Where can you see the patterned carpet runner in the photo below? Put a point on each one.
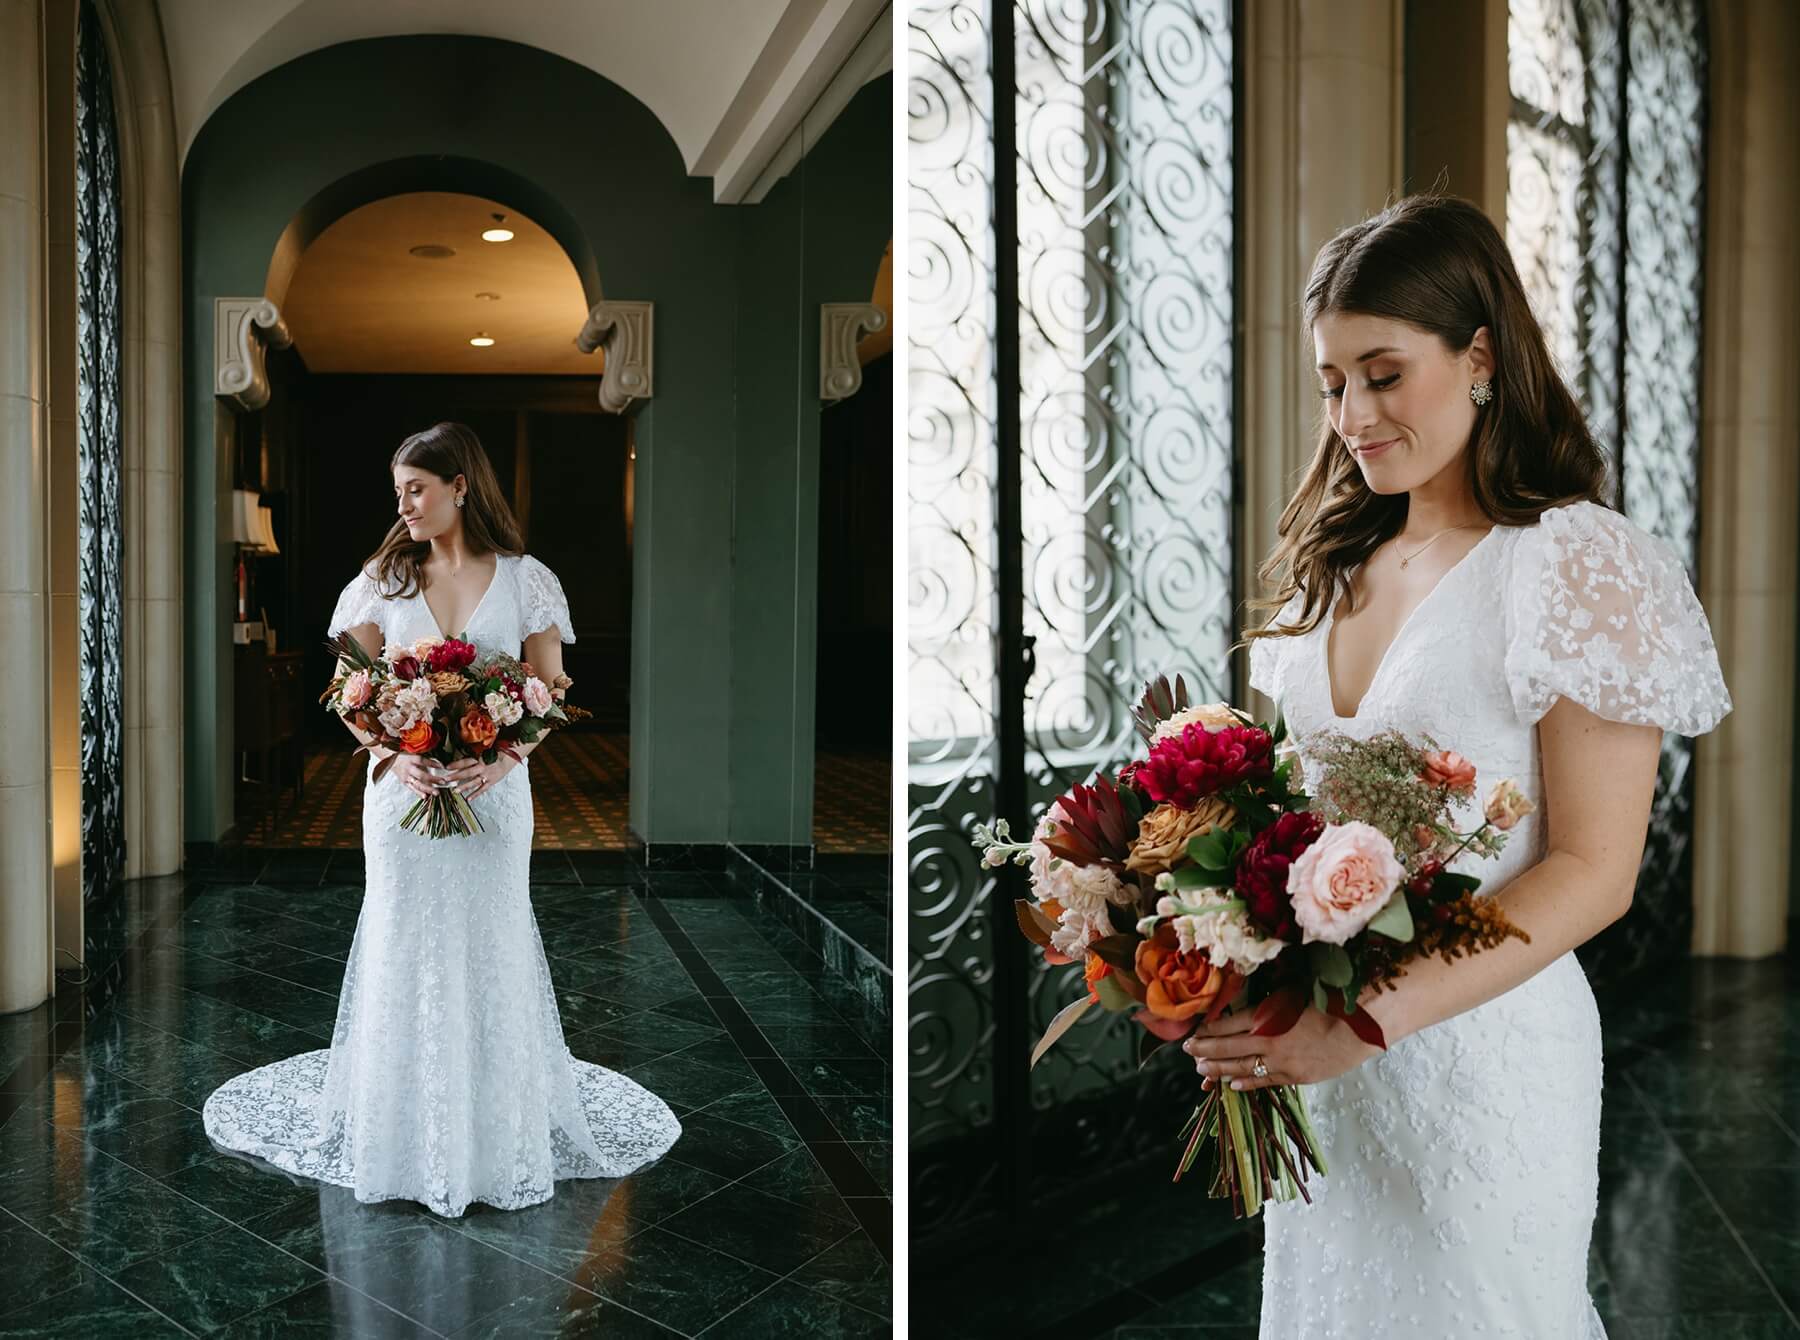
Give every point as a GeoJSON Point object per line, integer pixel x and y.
{"type": "Point", "coordinates": [579, 786]}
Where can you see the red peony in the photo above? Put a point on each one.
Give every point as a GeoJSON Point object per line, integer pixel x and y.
{"type": "Point", "coordinates": [1262, 871]}
{"type": "Point", "coordinates": [1128, 777]}
{"type": "Point", "coordinates": [1199, 762]}
{"type": "Point", "coordinates": [450, 655]}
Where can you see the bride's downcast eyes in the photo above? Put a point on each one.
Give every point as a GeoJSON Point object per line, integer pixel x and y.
{"type": "Point", "coordinates": [1337, 392]}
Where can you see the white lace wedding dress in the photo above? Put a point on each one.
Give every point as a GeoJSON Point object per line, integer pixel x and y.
{"type": "Point", "coordinates": [447, 1080]}
{"type": "Point", "coordinates": [1462, 1163]}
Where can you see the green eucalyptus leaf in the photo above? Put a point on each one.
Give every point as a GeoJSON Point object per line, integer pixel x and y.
{"type": "Point", "coordinates": [1329, 963]}
{"type": "Point", "coordinates": [1113, 996]}
{"type": "Point", "coordinates": [1208, 851]}
{"type": "Point", "coordinates": [1395, 920]}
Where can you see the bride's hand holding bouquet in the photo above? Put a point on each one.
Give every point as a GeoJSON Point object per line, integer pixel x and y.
{"type": "Point", "coordinates": [454, 720]}
{"type": "Point", "coordinates": [1210, 898]}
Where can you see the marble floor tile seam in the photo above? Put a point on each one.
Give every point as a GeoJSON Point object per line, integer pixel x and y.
{"type": "Point", "coordinates": [855, 945]}
{"type": "Point", "coordinates": [124, 1009]}
{"type": "Point", "coordinates": [274, 977]}
{"type": "Point", "coordinates": [1776, 1297]}
{"type": "Point", "coordinates": [801, 1112]}
{"type": "Point", "coordinates": [850, 1229]}
{"type": "Point", "coordinates": [718, 1328]}
{"type": "Point", "coordinates": [660, 1225]}
{"type": "Point", "coordinates": [1780, 1119]}
{"type": "Point", "coordinates": [66, 1007]}
{"type": "Point", "coordinates": [76, 1284]}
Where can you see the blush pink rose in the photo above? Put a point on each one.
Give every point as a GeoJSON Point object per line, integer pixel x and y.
{"type": "Point", "coordinates": [1342, 880]}
{"type": "Point", "coordinates": [356, 689]}
{"type": "Point", "coordinates": [537, 696]}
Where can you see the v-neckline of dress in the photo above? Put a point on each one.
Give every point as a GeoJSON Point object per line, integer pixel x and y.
{"type": "Point", "coordinates": [429, 614]}
{"type": "Point", "coordinates": [1330, 622]}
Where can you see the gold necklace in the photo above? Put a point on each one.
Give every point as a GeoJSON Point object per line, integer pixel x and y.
{"type": "Point", "coordinates": [1407, 558]}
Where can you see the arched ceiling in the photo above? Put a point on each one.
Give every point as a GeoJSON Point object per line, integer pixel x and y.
{"type": "Point", "coordinates": [360, 301]}
{"type": "Point", "coordinates": [729, 79]}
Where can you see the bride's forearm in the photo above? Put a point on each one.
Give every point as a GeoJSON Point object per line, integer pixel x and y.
{"type": "Point", "coordinates": [1559, 902]}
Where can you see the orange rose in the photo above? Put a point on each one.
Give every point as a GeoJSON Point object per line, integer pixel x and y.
{"type": "Point", "coordinates": [1093, 970]}
{"type": "Point", "coordinates": [419, 738]}
{"type": "Point", "coordinates": [477, 728]}
{"type": "Point", "coordinates": [1445, 767]}
{"type": "Point", "coordinates": [1177, 985]}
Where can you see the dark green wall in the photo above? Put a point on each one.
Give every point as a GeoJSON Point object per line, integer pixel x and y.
{"type": "Point", "coordinates": [817, 237]}
{"type": "Point", "coordinates": [553, 140]}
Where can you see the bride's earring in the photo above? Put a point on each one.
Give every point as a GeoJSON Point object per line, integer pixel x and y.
{"type": "Point", "coordinates": [1481, 392]}
{"type": "Point", "coordinates": [459, 500]}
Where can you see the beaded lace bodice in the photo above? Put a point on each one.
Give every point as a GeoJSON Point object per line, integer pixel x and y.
{"type": "Point", "coordinates": [1463, 1161]}
{"type": "Point", "coordinates": [448, 1079]}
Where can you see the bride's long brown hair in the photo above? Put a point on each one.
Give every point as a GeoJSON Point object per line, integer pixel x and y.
{"type": "Point", "coordinates": [1435, 262]}
{"type": "Point", "coordinates": [447, 450]}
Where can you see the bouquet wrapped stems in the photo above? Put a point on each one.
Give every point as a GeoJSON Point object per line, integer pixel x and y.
{"type": "Point", "coordinates": [1264, 1146]}
{"type": "Point", "coordinates": [446, 814]}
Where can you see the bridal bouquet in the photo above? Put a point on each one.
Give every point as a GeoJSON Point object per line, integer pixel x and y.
{"type": "Point", "coordinates": [1201, 879]}
{"type": "Point", "coordinates": [439, 697]}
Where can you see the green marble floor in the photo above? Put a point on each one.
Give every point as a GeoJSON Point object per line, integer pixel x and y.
{"type": "Point", "coordinates": [1697, 1235]}
{"type": "Point", "coordinates": [118, 1217]}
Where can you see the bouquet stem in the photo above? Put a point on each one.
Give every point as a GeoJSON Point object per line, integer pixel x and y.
{"type": "Point", "coordinates": [1265, 1146]}
{"type": "Point", "coordinates": [446, 814]}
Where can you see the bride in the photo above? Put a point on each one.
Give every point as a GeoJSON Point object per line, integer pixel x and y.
{"type": "Point", "coordinates": [1448, 566]}
{"type": "Point", "coordinates": [447, 1080]}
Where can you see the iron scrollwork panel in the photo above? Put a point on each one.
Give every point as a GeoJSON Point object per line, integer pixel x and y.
{"type": "Point", "coordinates": [1605, 213]}
{"type": "Point", "coordinates": [1121, 160]}
{"type": "Point", "coordinates": [1125, 253]}
{"type": "Point", "coordinates": [952, 615]}
{"type": "Point", "coordinates": [100, 519]}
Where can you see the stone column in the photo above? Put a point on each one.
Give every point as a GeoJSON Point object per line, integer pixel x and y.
{"type": "Point", "coordinates": [26, 976]}
{"type": "Point", "coordinates": [1323, 136]}
{"type": "Point", "coordinates": [1749, 478]}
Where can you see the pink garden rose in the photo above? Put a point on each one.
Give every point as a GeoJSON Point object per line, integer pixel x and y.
{"type": "Point", "coordinates": [356, 689]}
{"type": "Point", "coordinates": [1342, 880]}
{"type": "Point", "coordinates": [537, 696]}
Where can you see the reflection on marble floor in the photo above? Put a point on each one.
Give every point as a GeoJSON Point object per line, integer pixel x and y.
{"type": "Point", "coordinates": [1697, 1235]}
{"type": "Point", "coordinates": [119, 1217]}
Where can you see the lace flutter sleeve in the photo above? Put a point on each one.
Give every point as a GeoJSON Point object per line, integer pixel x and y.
{"type": "Point", "coordinates": [359, 603]}
{"type": "Point", "coordinates": [1269, 655]}
{"type": "Point", "coordinates": [1601, 611]}
{"type": "Point", "coordinates": [541, 601]}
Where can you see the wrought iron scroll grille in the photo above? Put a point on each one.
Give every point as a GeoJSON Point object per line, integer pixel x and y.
{"type": "Point", "coordinates": [1606, 155]}
{"type": "Point", "coordinates": [1071, 185]}
{"type": "Point", "coordinates": [100, 526]}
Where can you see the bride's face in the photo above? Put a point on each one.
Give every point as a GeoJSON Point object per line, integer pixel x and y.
{"type": "Point", "coordinates": [424, 502]}
{"type": "Point", "coordinates": [1397, 390]}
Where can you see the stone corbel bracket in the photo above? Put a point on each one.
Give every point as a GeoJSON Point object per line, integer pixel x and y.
{"type": "Point", "coordinates": [243, 331]}
{"type": "Point", "coordinates": [841, 325]}
{"type": "Point", "coordinates": [624, 330]}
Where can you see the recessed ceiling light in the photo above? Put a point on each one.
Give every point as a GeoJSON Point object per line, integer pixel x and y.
{"type": "Point", "coordinates": [488, 297]}
{"type": "Point", "coordinates": [497, 233]}
{"type": "Point", "coordinates": [431, 252]}
{"type": "Point", "coordinates": [481, 339]}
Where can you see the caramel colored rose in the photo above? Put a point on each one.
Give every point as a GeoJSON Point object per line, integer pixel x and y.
{"type": "Point", "coordinates": [477, 729]}
{"type": "Point", "coordinates": [1163, 835]}
{"type": "Point", "coordinates": [1507, 805]}
{"type": "Point", "coordinates": [444, 683]}
{"type": "Point", "coordinates": [1177, 985]}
